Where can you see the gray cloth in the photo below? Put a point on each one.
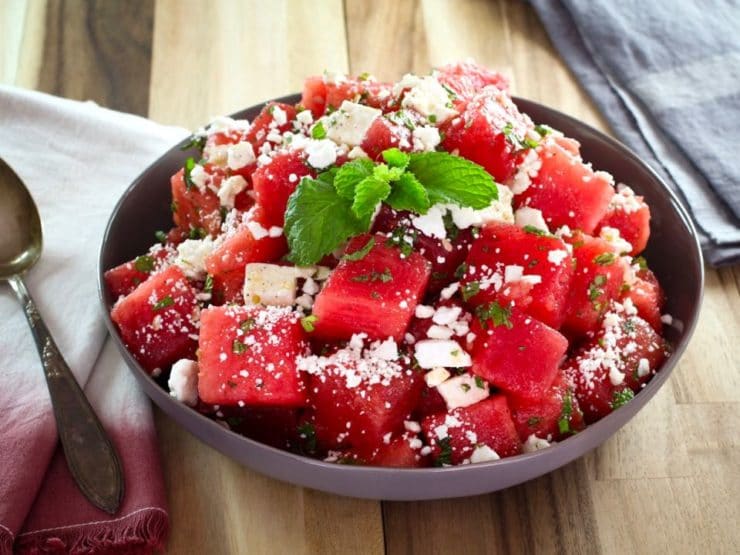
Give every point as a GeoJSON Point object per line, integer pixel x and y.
{"type": "Point", "coordinates": [666, 75]}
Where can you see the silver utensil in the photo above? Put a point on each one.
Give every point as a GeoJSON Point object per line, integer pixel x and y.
{"type": "Point", "coordinates": [91, 457]}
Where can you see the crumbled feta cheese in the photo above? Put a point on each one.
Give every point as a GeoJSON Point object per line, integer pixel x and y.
{"type": "Point", "coordinates": [528, 216]}
{"type": "Point", "coordinates": [183, 381]}
{"type": "Point", "coordinates": [278, 115]}
{"type": "Point", "coordinates": [199, 177]}
{"type": "Point", "coordinates": [432, 223]}
{"type": "Point", "coordinates": [667, 319]}
{"type": "Point", "coordinates": [612, 236]}
{"type": "Point", "coordinates": [431, 353]}
{"type": "Point", "coordinates": [426, 138]}
{"type": "Point", "coordinates": [436, 376]}
{"type": "Point", "coordinates": [427, 96]}
{"type": "Point", "coordinates": [229, 189]}
{"type": "Point", "coordinates": [513, 273]}
{"type": "Point", "coordinates": [305, 117]}
{"type": "Point", "coordinates": [270, 284]}
{"type": "Point", "coordinates": [643, 368]}
{"type": "Point", "coordinates": [439, 332]}
{"type": "Point", "coordinates": [386, 350]}
{"type": "Point", "coordinates": [534, 443]}
{"type": "Point", "coordinates": [483, 453]}
{"type": "Point", "coordinates": [275, 231]}
{"type": "Point", "coordinates": [256, 229]}
{"type": "Point", "coordinates": [463, 391]}
{"type": "Point", "coordinates": [528, 169]}
{"type": "Point", "coordinates": [321, 153]}
{"type": "Point", "coordinates": [423, 311]}
{"type": "Point", "coordinates": [192, 254]}
{"type": "Point", "coordinates": [557, 256]}
{"type": "Point", "coordinates": [449, 291]}
{"type": "Point", "coordinates": [350, 123]}
{"type": "Point", "coordinates": [411, 426]}
{"type": "Point", "coordinates": [356, 153]}
{"type": "Point", "coordinates": [499, 211]}
{"type": "Point", "coordinates": [239, 155]}
{"type": "Point", "coordinates": [445, 315]}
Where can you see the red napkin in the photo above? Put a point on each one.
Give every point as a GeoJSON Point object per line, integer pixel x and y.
{"type": "Point", "coordinates": [77, 159]}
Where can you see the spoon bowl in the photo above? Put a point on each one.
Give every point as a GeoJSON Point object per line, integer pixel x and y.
{"type": "Point", "coordinates": [20, 226]}
{"type": "Point", "coordinates": [92, 460]}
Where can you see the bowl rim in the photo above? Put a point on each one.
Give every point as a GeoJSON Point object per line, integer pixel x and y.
{"type": "Point", "coordinates": [562, 451]}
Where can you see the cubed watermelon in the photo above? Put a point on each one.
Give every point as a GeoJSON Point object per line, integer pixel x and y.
{"type": "Point", "coordinates": [248, 355]}
{"type": "Point", "coordinates": [629, 214]}
{"type": "Point", "coordinates": [444, 256]}
{"type": "Point", "coordinates": [158, 321]}
{"type": "Point", "coordinates": [515, 352]}
{"type": "Point", "coordinates": [489, 132]}
{"type": "Point", "coordinates": [123, 279]}
{"type": "Point", "coordinates": [526, 266]}
{"type": "Point", "coordinates": [567, 191]}
{"type": "Point", "coordinates": [322, 92]}
{"type": "Point", "coordinates": [609, 369]}
{"type": "Point", "coordinates": [266, 122]}
{"type": "Point", "coordinates": [196, 211]}
{"type": "Point", "coordinates": [275, 182]}
{"type": "Point", "coordinates": [376, 294]}
{"type": "Point", "coordinates": [554, 416]}
{"type": "Point", "coordinates": [648, 297]}
{"type": "Point", "coordinates": [390, 131]}
{"type": "Point", "coordinates": [250, 242]}
{"type": "Point", "coordinates": [597, 280]}
{"type": "Point", "coordinates": [468, 78]}
{"type": "Point", "coordinates": [465, 433]}
{"type": "Point", "coordinates": [359, 399]}
{"type": "Point", "coordinates": [403, 451]}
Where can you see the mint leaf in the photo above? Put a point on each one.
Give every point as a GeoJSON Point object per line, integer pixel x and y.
{"type": "Point", "coordinates": [189, 166]}
{"type": "Point", "coordinates": [452, 179]}
{"type": "Point", "coordinates": [396, 159]}
{"type": "Point", "coordinates": [409, 194]}
{"type": "Point", "coordinates": [368, 193]}
{"type": "Point", "coordinates": [309, 322]}
{"type": "Point", "coordinates": [318, 131]}
{"type": "Point", "coordinates": [349, 175]}
{"type": "Point", "coordinates": [317, 221]}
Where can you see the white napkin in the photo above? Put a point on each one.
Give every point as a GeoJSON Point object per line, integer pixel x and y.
{"type": "Point", "coordinates": [77, 159]}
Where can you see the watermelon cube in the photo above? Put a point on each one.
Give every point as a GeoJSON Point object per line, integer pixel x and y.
{"type": "Point", "coordinates": [466, 79]}
{"type": "Point", "coordinates": [629, 214]}
{"type": "Point", "coordinates": [609, 369]}
{"type": "Point", "coordinates": [359, 399]}
{"type": "Point", "coordinates": [193, 210]}
{"type": "Point", "coordinates": [567, 191]}
{"type": "Point", "coordinates": [489, 132]}
{"type": "Point", "coordinates": [275, 116]}
{"type": "Point", "coordinates": [479, 432]}
{"type": "Point", "coordinates": [158, 321]}
{"type": "Point", "coordinates": [597, 280]}
{"type": "Point", "coordinates": [123, 279]}
{"type": "Point", "coordinates": [376, 294]}
{"type": "Point", "coordinates": [275, 182]}
{"type": "Point", "coordinates": [554, 416]}
{"type": "Point", "coordinates": [247, 355]}
{"type": "Point", "coordinates": [403, 451]}
{"type": "Point", "coordinates": [389, 132]}
{"type": "Point", "coordinates": [515, 352]}
{"type": "Point", "coordinates": [250, 242]}
{"type": "Point", "coordinates": [525, 266]}
{"type": "Point", "coordinates": [648, 297]}
{"type": "Point", "coordinates": [322, 92]}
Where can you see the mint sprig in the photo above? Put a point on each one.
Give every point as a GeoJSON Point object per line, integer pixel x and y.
{"type": "Point", "coordinates": [340, 203]}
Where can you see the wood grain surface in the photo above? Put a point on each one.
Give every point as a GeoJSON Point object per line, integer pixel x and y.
{"type": "Point", "coordinates": [668, 482]}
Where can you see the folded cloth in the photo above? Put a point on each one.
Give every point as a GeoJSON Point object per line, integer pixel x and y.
{"type": "Point", "coordinates": [76, 158]}
{"type": "Point", "coordinates": [666, 75]}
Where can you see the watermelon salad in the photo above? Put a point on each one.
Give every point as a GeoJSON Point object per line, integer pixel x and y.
{"type": "Point", "coordinates": [399, 274]}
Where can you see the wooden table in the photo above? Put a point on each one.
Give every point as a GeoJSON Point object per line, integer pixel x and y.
{"type": "Point", "coordinates": [670, 481]}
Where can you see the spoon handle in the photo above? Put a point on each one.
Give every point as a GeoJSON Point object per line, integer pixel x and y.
{"type": "Point", "coordinates": [91, 457]}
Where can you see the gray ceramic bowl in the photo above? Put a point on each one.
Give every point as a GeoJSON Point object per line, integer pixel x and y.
{"type": "Point", "coordinates": [673, 253]}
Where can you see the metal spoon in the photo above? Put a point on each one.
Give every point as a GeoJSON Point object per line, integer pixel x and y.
{"type": "Point", "coordinates": [91, 458]}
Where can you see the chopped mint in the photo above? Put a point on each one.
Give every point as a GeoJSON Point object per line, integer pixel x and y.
{"type": "Point", "coordinates": [495, 313]}
{"type": "Point", "coordinates": [360, 253]}
{"type": "Point", "coordinates": [318, 131]}
{"type": "Point", "coordinates": [621, 398]}
{"type": "Point", "coordinates": [308, 322]}
{"type": "Point", "coordinates": [144, 263]}
{"type": "Point", "coordinates": [164, 302]}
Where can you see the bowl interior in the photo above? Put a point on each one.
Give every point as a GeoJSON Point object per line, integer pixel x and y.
{"type": "Point", "coordinates": [673, 253]}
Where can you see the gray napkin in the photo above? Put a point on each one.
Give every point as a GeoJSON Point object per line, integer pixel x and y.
{"type": "Point", "coordinates": [666, 75]}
